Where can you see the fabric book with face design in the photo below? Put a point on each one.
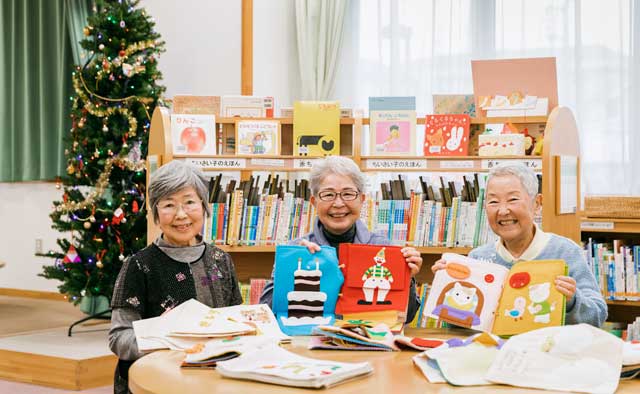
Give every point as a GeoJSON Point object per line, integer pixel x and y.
{"type": "Point", "coordinates": [489, 297]}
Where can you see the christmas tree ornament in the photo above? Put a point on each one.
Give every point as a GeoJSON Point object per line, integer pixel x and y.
{"type": "Point", "coordinates": [71, 169]}
{"type": "Point", "coordinates": [86, 225]}
{"type": "Point", "coordinates": [71, 256]}
{"type": "Point", "coordinates": [122, 24]}
{"type": "Point", "coordinates": [127, 69]}
{"type": "Point", "coordinates": [118, 215]}
{"type": "Point", "coordinates": [99, 264]}
{"type": "Point", "coordinates": [105, 128]}
{"type": "Point", "coordinates": [92, 219]}
{"type": "Point", "coordinates": [86, 31]}
{"type": "Point", "coordinates": [122, 53]}
{"type": "Point", "coordinates": [134, 207]}
{"type": "Point", "coordinates": [121, 257]}
{"type": "Point", "coordinates": [101, 47]}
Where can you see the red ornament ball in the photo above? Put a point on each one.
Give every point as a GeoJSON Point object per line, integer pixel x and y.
{"type": "Point", "coordinates": [194, 139]}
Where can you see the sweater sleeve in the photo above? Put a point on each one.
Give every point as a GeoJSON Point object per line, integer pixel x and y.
{"type": "Point", "coordinates": [122, 338]}
{"type": "Point", "coordinates": [587, 305]}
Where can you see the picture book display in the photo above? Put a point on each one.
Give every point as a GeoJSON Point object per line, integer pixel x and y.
{"type": "Point", "coordinates": [376, 278]}
{"type": "Point", "coordinates": [305, 287]}
{"type": "Point", "coordinates": [193, 134]}
{"type": "Point", "coordinates": [392, 126]}
{"type": "Point", "coordinates": [463, 104]}
{"type": "Point", "coordinates": [279, 366]}
{"type": "Point", "coordinates": [489, 297]}
{"type": "Point", "coordinates": [446, 135]}
{"type": "Point", "coordinates": [258, 137]}
{"type": "Point", "coordinates": [316, 128]}
{"type": "Point", "coordinates": [200, 105]}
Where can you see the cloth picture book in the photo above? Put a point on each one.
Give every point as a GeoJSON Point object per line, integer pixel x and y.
{"type": "Point", "coordinates": [376, 278]}
{"type": "Point", "coordinates": [207, 355]}
{"type": "Point", "coordinates": [193, 134]}
{"type": "Point", "coordinates": [392, 126]}
{"type": "Point", "coordinates": [489, 297]}
{"type": "Point", "coordinates": [446, 135]}
{"type": "Point", "coordinates": [305, 287]}
{"type": "Point", "coordinates": [278, 366]}
{"type": "Point", "coordinates": [454, 104]}
{"type": "Point", "coordinates": [316, 128]}
{"type": "Point", "coordinates": [578, 358]}
{"type": "Point", "coordinates": [258, 137]}
{"type": "Point", "coordinates": [353, 336]}
{"type": "Point", "coordinates": [192, 322]}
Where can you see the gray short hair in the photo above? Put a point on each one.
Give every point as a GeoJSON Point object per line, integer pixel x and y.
{"type": "Point", "coordinates": [527, 177]}
{"type": "Point", "coordinates": [173, 177]}
{"type": "Point", "coordinates": [335, 165]}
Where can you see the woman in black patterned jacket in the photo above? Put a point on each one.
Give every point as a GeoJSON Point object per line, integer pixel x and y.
{"type": "Point", "coordinates": [176, 267]}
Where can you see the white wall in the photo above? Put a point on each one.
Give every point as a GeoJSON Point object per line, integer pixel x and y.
{"type": "Point", "coordinates": [24, 209]}
{"type": "Point", "coordinates": [202, 57]}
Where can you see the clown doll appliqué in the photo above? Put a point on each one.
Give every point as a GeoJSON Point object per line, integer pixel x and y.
{"type": "Point", "coordinates": [376, 276]}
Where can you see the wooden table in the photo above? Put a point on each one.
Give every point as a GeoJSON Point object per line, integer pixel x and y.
{"type": "Point", "coordinates": [394, 372]}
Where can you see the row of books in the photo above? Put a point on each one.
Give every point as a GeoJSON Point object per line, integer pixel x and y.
{"type": "Point", "coordinates": [615, 267]}
{"type": "Point", "coordinates": [419, 222]}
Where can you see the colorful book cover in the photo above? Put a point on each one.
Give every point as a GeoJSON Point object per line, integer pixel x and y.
{"type": "Point", "coordinates": [392, 126]}
{"type": "Point", "coordinates": [446, 135]}
{"type": "Point", "coordinates": [196, 105]}
{"type": "Point", "coordinates": [305, 288]}
{"type": "Point", "coordinates": [316, 128]}
{"type": "Point", "coordinates": [193, 135]}
{"type": "Point", "coordinates": [258, 137]}
{"type": "Point", "coordinates": [489, 297]}
{"type": "Point", "coordinates": [247, 106]}
{"type": "Point", "coordinates": [462, 104]}
{"type": "Point", "coordinates": [376, 278]}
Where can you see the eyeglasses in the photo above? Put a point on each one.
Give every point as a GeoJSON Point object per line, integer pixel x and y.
{"type": "Point", "coordinates": [347, 195]}
{"type": "Point", "coordinates": [171, 208]}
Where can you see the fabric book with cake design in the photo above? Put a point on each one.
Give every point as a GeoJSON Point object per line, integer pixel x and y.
{"type": "Point", "coordinates": [489, 297]}
{"type": "Point", "coordinates": [305, 288]}
{"type": "Point", "coordinates": [376, 278]}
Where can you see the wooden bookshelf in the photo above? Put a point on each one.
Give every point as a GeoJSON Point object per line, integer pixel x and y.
{"type": "Point", "coordinates": [613, 225]}
{"type": "Point", "coordinates": [560, 138]}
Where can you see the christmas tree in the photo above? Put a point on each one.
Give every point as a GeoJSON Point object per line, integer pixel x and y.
{"type": "Point", "coordinates": [103, 203]}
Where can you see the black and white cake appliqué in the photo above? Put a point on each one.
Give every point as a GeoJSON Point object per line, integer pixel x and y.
{"type": "Point", "coordinates": [306, 301]}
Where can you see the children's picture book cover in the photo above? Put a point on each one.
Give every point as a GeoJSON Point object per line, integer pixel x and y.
{"type": "Point", "coordinates": [305, 288]}
{"type": "Point", "coordinates": [258, 137]}
{"type": "Point", "coordinates": [193, 134]}
{"type": "Point", "coordinates": [199, 105]}
{"type": "Point", "coordinates": [247, 106]}
{"type": "Point", "coordinates": [316, 128]}
{"type": "Point", "coordinates": [392, 126]}
{"type": "Point", "coordinates": [376, 278]}
{"type": "Point", "coordinates": [489, 297]}
{"type": "Point", "coordinates": [461, 104]}
{"type": "Point", "coordinates": [446, 135]}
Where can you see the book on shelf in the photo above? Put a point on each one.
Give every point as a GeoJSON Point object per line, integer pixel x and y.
{"type": "Point", "coordinates": [489, 297]}
{"type": "Point", "coordinates": [392, 126]}
{"type": "Point", "coordinates": [247, 106]}
{"type": "Point", "coordinates": [196, 105]}
{"type": "Point", "coordinates": [463, 104]}
{"type": "Point", "coordinates": [316, 128]}
{"type": "Point", "coordinates": [616, 268]}
{"type": "Point", "coordinates": [193, 135]}
{"type": "Point", "coordinates": [277, 366]}
{"type": "Point", "coordinates": [257, 137]}
{"type": "Point", "coordinates": [287, 112]}
{"type": "Point", "coordinates": [446, 135]}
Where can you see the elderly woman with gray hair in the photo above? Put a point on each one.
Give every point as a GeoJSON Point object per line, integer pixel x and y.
{"type": "Point", "coordinates": [511, 202]}
{"type": "Point", "coordinates": [337, 192]}
{"type": "Point", "coordinates": [176, 267]}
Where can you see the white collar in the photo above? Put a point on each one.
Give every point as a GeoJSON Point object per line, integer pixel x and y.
{"type": "Point", "coordinates": [539, 241]}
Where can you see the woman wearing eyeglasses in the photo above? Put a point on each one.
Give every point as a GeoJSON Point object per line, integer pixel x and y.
{"type": "Point", "coordinates": [337, 187]}
{"type": "Point", "coordinates": [176, 267]}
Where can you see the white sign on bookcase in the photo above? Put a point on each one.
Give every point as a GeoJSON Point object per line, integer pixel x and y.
{"type": "Point", "coordinates": [396, 164]}
{"type": "Point", "coordinates": [534, 164]}
{"type": "Point", "coordinates": [303, 163]}
{"type": "Point", "coordinates": [222, 163]}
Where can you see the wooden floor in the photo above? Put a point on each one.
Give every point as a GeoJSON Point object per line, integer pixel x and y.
{"type": "Point", "coordinates": [35, 350]}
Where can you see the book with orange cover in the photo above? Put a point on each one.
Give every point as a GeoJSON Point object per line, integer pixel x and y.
{"type": "Point", "coordinates": [376, 278]}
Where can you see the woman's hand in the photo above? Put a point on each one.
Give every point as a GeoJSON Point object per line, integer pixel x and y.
{"type": "Point", "coordinates": [312, 246]}
{"type": "Point", "coordinates": [566, 285]}
{"type": "Point", "coordinates": [438, 265]}
{"type": "Point", "coordinates": [413, 259]}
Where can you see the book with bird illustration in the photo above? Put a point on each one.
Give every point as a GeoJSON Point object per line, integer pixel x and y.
{"type": "Point", "coordinates": [489, 297]}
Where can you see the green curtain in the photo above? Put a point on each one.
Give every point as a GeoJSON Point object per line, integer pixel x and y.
{"type": "Point", "coordinates": [35, 86]}
{"type": "Point", "coordinates": [77, 13]}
